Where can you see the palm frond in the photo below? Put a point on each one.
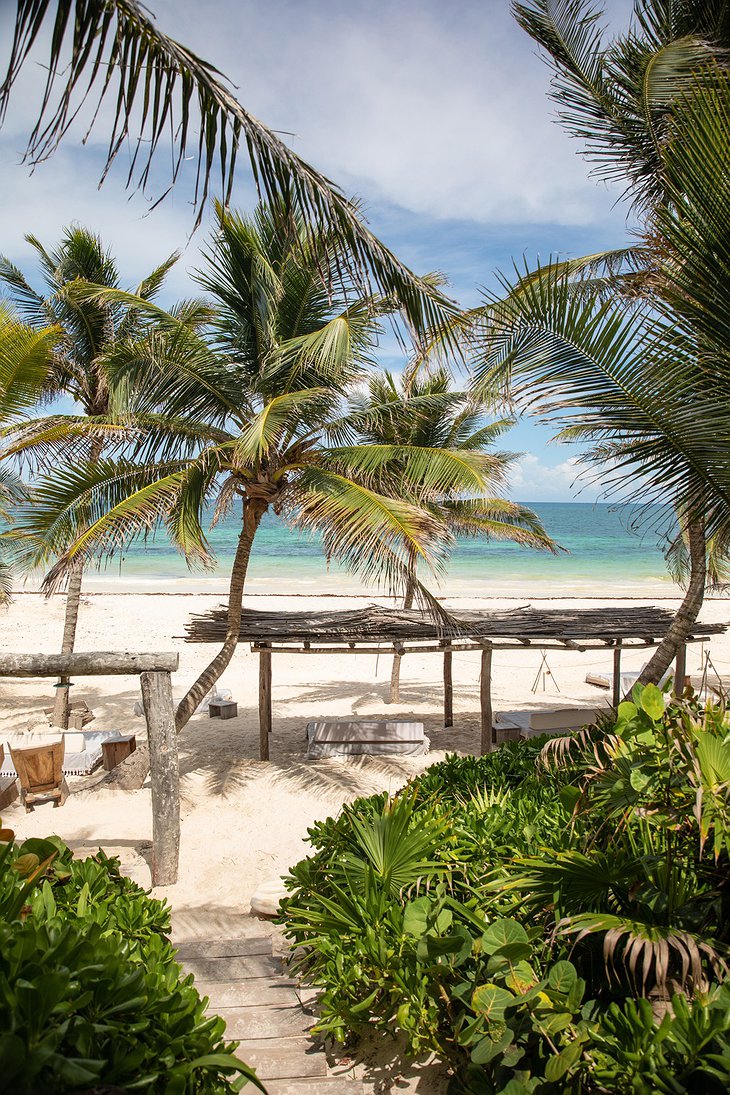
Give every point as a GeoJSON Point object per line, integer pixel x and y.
{"type": "Point", "coordinates": [371, 534]}
{"type": "Point", "coordinates": [90, 511]}
{"type": "Point", "coordinates": [26, 357]}
{"type": "Point", "coordinates": [162, 87]}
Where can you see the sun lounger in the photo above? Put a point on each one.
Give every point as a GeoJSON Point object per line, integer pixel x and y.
{"type": "Point", "coordinates": [531, 724]}
{"type": "Point", "coordinates": [383, 737]}
{"type": "Point", "coordinates": [82, 749]}
{"type": "Point", "coordinates": [628, 680]}
{"type": "Point", "coordinates": [8, 785]}
{"type": "Point", "coordinates": [40, 774]}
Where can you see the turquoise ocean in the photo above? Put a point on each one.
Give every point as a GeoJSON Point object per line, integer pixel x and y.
{"type": "Point", "coordinates": [603, 556]}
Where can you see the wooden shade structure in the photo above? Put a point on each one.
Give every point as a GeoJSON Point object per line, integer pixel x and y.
{"type": "Point", "coordinates": [376, 629]}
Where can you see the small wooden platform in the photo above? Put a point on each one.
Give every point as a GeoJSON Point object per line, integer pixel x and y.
{"type": "Point", "coordinates": [223, 709]}
{"type": "Point", "coordinates": [247, 985]}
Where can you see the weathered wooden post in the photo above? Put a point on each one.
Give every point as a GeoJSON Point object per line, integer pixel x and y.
{"type": "Point", "coordinates": [485, 697]}
{"type": "Point", "coordinates": [448, 691]}
{"type": "Point", "coordinates": [264, 701]}
{"type": "Point", "coordinates": [680, 671]}
{"type": "Point", "coordinates": [165, 776]}
{"type": "Point", "coordinates": [616, 696]}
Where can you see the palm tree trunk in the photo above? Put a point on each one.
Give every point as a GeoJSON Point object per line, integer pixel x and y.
{"type": "Point", "coordinates": [61, 704]}
{"type": "Point", "coordinates": [253, 511]}
{"type": "Point", "coordinates": [689, 610]}
{"type": "Point", "coordinates": [132, 772]}
{"type": "Point", "coordinates": [407, 603]}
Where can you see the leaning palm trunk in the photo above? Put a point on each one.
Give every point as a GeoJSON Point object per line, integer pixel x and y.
{"type": "Point", "coordinates": [253, 511]}
{"type": "Point", "coordinates": [397, 658]}
{"type": "Point", "coordinates": [688, 611]}
{"type": "Point", "coordinates": [131, 773]}
{"type": "Point", "coordinates": [61, 706]}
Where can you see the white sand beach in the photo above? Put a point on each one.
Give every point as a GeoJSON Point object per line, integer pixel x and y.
{"type": "Point", "coordinates": [245, 822]}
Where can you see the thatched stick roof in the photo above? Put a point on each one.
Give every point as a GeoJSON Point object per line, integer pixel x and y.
{"type": "Point", "coordinates": [376, 624]}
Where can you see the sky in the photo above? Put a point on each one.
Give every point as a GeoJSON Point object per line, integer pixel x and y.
{"type": "Point", "coordinates": [436, 116]}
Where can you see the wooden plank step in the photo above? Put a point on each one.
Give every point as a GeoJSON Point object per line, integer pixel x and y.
{"type": "Point", "coordinates": [331, 1086]}
{"type": "Point", "coordinates": [250, 1023]}
{"type": "Point", "coordinates": [223, 948]}
{"type": "Point", "coordinates": [259, 992]}
{"type": "Point", "coordinates": [272, 1062]}
{"type": "Point", "coordinates": [202, 923]}
{"type": "Point", "coordinates": [234, 968]}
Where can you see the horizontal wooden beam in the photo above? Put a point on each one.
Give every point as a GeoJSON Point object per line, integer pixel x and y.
{"type": "Point", "coordinates": [90, 663]}
{"type": "Point", "coordinates": [440, 647]}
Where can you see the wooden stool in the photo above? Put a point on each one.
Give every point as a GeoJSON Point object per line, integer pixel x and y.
{"type": "Point", "coordinates": [224, 709]}
{"type": "Point", "coordinates": [118, 749]}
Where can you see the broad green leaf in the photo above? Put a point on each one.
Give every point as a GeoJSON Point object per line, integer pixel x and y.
{"type": "Point", "coordinates": [558, 1065]}
{"type": "Point", "coordinates": [491, 1001]}
{"type": "Point", "coordinates": [507, 937]}
{"type": "Point", "coordinates": [562, 977]}
{"type": "Point", "coordinates": [639, 780]}
{"type": "Point", "coordinates": [652, 702]}
{"type": "Point", "coordinates": [415, 916]}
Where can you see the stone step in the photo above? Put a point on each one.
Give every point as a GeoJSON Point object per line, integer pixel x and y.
{"type": "Point", "coordinates": [249, 1023]}
{"type": "Point", "coordinates": [234, 968]}
{"type": "Point", "coordinates": [259, 992]}
{"type": "Point", "coordinates": [222, 948]}
{"type": "Point", "coordinates": [275, 1061]}
{"type": "Point", "coordinates": [331, 1086]}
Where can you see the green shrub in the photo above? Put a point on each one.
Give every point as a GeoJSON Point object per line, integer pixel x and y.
{"type": "Point", "coordinates": [529, 914]}
{"type": "Point", "coordinates": [90, 993]}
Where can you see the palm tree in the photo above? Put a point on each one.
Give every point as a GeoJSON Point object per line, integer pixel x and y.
{"type": "Point", "coordinates": [629, 349]}
{"type": "Point", "coordinates": [421, 409]}
{"type": "Point", "coordinates": [107, 51]}
{"type": "Point", "coordinates": [25, 360]}
{"type": "Point", "coordinates": [87, 331]}
{"type": "Point", "coordinates": [250, 416]}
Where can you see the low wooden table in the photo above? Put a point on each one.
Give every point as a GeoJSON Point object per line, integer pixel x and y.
{"type": "Point", "coordinates": [118, 749]}
{"type": "Point", "coordinates": [223, 709]}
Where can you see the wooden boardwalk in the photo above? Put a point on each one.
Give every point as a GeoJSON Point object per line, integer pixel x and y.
{"type": "Point", "coordinates": [233, 962]}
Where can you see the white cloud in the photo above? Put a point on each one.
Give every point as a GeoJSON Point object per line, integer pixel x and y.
{"type": "Point", "coordinates": [533, 479]}
{"type": "Point", "coordinates": [439, 109]}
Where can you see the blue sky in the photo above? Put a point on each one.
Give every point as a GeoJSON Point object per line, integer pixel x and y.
{"type": "Point", "coordinates": [435, 115]}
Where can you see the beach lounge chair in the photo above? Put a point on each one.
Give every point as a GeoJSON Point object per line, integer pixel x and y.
{"type": "Point", "coordinates": [8, 785]}
{"type": "Point", "coordinates": [40, 774]}
{"type": "Point", "coordinates": [531, 724]}
{"type": "Point", "coordinates": [389, 737]}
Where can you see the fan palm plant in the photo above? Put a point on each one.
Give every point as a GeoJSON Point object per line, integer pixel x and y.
{"type": "Point", "coordinates": [86, 333]}
{"type": "Point", "coordinates": [422, 409]}
{"type": "Point", "coordinates": [628, 350]}
{"type": "Point", "coordinates": [250, 415]}
{"type": "Point", "coordinates": [104, 51]}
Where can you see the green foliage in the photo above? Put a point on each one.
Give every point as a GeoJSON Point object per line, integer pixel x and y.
{"type": "Point", "coordinates": [552, 917]}
{"type": "Point", "coordinates": [90, 993]}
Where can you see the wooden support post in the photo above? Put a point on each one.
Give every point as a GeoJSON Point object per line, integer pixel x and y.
{"type": "Point", "coordinates": [489, 737]}
{"type": "Point", "coordinates": [616, 697]}
{"type": "Point", "coordinates": [448, 691]}
{"type": "Point", "coordinates": [165, 775]}
{"type": "Point", "coordinates": [680, 671]}
{"type": "Point", "coordinates": [264, 702]}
